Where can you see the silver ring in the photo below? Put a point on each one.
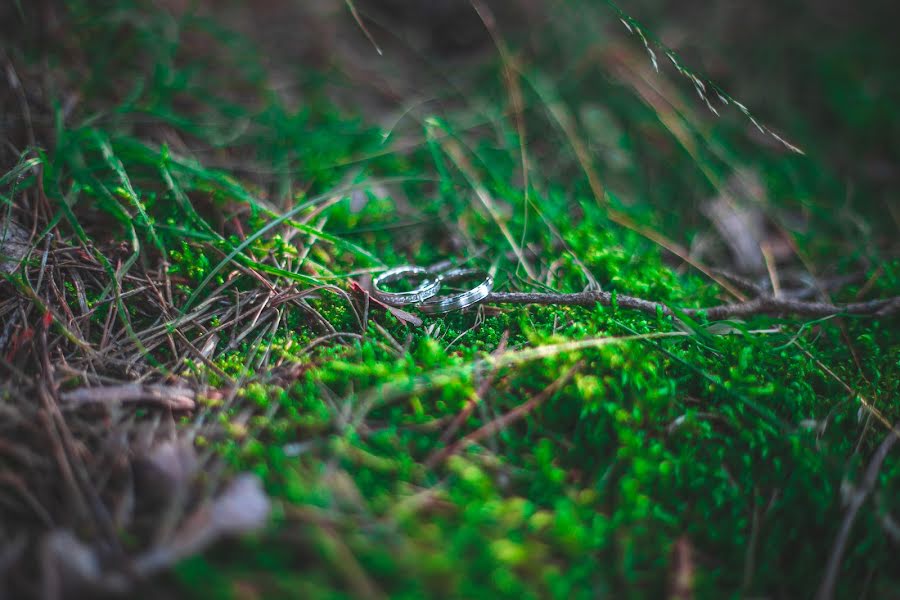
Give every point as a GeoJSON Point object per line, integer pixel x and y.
{"type": "Point", "coordinates": [428, 288]}
{"type": "Point", "coordinates": [461, 300]}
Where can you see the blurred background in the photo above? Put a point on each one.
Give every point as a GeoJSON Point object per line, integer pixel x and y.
{"type": "Point", "coordinates": [821, 70]}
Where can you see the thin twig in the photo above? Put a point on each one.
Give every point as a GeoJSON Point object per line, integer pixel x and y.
{"type": "Point", "coordinates": [764, 305]}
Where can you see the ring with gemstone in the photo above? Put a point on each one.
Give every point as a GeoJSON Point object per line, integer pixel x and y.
{"type": "Point", "coordinates": [458, 301]}
{"type": "Point", "coordinates": [425, 290]}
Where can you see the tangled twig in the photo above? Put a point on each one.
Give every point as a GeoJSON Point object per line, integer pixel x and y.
{"type": "Point", "coordinates": [763, 305]}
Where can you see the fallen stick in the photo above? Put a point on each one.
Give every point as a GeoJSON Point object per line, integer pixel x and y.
{"type": "Point", "coordinates": [763, 305]}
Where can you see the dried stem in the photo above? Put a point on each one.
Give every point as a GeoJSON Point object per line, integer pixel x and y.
{"type": "Point", "coordinates": [763, 305]}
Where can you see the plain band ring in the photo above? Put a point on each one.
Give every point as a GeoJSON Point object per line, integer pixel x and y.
{"type": "Point", "coordinates": [428, 288]}
{"type": "Point", "coordinates": [442, 304]}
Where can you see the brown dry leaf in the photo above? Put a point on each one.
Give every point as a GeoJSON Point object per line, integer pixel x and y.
{"type": "Point", "coordinates": [13, 245]}
{"type": "Point", "coordinates": [71, 569]}
{"type": "Point", "coordinates": [241, 508]}
{"type": "Point", "coordinates": [176, 460]}
{"type": "Point", "coordinates": [737, 214]}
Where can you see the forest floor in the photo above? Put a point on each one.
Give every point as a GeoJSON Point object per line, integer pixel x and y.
{"type": "Point", "coordinates": [685, 383]}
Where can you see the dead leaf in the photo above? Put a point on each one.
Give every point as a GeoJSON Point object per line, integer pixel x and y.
{"type": "Point", "coordinates": [71, 569]}
{"type": "Point", "coordinates": [241, 508]}
{"type": "Point", "coordinates": [737, 214]}
{"type": "Point", "coordinates": [176, 460]}
{"type": "Point", "coordinates": [14, 245]}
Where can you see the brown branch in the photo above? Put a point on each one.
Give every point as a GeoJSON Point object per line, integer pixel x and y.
{"type": "Point", "coordinates": [764, 305]}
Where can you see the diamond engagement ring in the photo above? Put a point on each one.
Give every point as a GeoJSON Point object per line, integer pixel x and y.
{"type": "Point", "coordinates": [428, 288]}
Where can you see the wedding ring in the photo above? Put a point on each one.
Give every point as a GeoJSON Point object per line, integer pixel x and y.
{"type": "Point", "coordinates": [446, 303]}
{"type": "Point", "coordinates": [428, 288]}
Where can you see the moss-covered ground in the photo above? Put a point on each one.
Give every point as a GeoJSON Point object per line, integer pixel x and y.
{"type": "Point", "coordinates": [207, 227]}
